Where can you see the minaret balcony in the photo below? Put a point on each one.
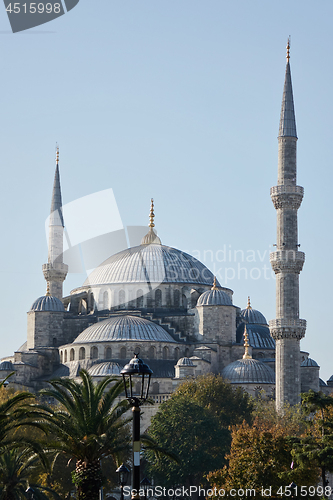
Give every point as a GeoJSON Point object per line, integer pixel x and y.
{"type": "Point", "coordinates": [285, 196]}
{"type": "Point", "coordinates": [288, 261]}
{"type": "Point", "coordinates": [287, 328]}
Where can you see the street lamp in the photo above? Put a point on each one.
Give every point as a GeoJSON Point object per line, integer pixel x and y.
{"type": "Point", "coordinates": [136, 370]}
{"type": "Point", "coordinates": [123, 475]}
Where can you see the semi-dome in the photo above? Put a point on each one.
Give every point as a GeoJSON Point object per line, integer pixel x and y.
{"type": "Point", "coordinates": [185, 362]}
{"type": "Point", "coordinates": [214, 297]}
{"type": "Point", "coordinates": [310, 362]}
{"type": "Point", "coordinates": [6, 365]}
{"type": "Point", "coordinates": [249, 371]}
{"type": "Point", "coordinates": [127, 328]}
{"type": "Point", "coordinates": [150, 264]}
{"type": "Point", "coordinates": [104, 369]}
{"type": "Point", "coordinates": [259, 336]}
{"type": "Point", "coordinates": [250, 315]}
{"type": "Point", "coordinates": [47, 303]}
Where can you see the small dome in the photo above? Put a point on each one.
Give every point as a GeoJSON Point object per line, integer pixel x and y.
{"type": "Point", "coordinates": [185, 362]}
{"type": "Point", "coordinates": [104, 369]}
{"type": "Point", "coordinates": [127, 328]}
{"type": "Point", "coordinates": [6, 365]}
{"type": "Point", "coordinates": [214, 298]}
{"type": "Point", "coordinates": [322, 383]}
{"type": "Point", "coordinates": [250, 315]}
{"type": "Point", "coordinates": [259, 336]}
{"type": "Point", "coordinates": [48, 303]}
{"type": "Point", "coordinates": [310, 362]}
{"type": "Point", "coordinates": [249, 371]}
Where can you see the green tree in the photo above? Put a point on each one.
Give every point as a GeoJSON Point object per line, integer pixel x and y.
{"type": "Point", "coordinates": [87, 426]}
{"type": "Point", "coordinates": [191, 432]}
{"type": "Point", "coordinates": [261, 457]}
{"type": "Point", "coordinates": [316, 447]}
{"type": "Point", "coordinates": [17, 466]}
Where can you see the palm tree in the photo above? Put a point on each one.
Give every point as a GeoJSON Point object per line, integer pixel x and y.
{"type": "Point", "coordinates": [88, 426]}
{"type": "Point", "coordinates": [16, 467]}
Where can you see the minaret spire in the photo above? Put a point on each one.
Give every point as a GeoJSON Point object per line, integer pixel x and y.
{"type": "Point", "coordinates": [55, 270]}
{"type": "Point", "coordinates": [151, 237]}
{"type": "Point", "coordinates": [287, 262]}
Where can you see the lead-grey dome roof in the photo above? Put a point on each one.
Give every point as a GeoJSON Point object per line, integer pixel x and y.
{"type": "Point", "coordinates": [6, 365]}
{"type": "Point", "coordinates": [249, 371]}
{"type": "Point", "coordinates": [259, 336]}
{"type": "Point", "coordinates": [214, 298]}
{"type": "Point", "coordinates": [253, 316]}
{"type": "Point", "coordinates": [47, 303]}
{"type": "Point", "coordinates": [150, 263]}
{"type": "Point", "coordinates": [104, 369]}
{"type": "Point", "coordinates": [185, 362]}
{"type": "Point", "coordinates": [127, 328]}
{"type": "Point", "coordinates": [310, 362]}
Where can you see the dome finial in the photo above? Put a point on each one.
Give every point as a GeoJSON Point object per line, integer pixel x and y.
{"type": "Point", "coordinates": [214, 287]}
{"type": "Point", "coordinates": [151, 214]}
{"type": "Point", "coordinates": [247, 355]}
{"type": "Point", "coordinates": [48, 294]}
{"type": "Point", "coordinates": [288, 49]}
{"type": "Point", "coordinates": [248, 303]}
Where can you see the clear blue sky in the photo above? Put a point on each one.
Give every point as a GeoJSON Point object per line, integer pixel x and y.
{"type": "Point", "coordinates": [179, 100]}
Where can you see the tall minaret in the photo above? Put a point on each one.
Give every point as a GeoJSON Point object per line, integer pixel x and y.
{"type": "Point", "coordinates": [55, 270]}
{"type": "Point", "coordinates": [287, 262]}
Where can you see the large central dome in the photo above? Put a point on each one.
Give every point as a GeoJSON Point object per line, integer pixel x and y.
{"type": "Point", "coordinates": [150, 264]}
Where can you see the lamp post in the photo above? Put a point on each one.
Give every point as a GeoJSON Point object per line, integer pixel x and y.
{"type": "Point", "coordinates": [136, 370]}
{"type": "Point", "coordinates": [123, 475]}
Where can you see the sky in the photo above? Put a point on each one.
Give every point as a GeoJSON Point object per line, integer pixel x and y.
{"type": "Point", "coordinates": [178, 100]}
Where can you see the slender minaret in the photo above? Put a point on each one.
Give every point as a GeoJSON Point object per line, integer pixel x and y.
{"type": "Point", "coordinates": [287, 262]}
{"type": "Point", "coordinates": [55, 270]}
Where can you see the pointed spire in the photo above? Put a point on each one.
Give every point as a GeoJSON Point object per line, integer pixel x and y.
{"type": "Point", "coordinates": [246, 355]}
{"type": "Point", "coordinates": [287, 117]}
{"type": "Point", "coordinates": [48, 294]}
{"type": "Point", "coordinates": [248, 303]}
{"type": "Point", "coordinates": [56, 218]}
{"type": "Point", "coordinates": [214, 287]}
{"type": "Point", "coordinates": [151, 237]}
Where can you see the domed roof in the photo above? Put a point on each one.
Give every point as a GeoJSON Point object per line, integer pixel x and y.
{"type": "Point", "coordinates": [185, 362]}
{"type": "Point", "coordinates": [150, 263]}
{"type": "Point", "coordinates": [104, 369]}
{"type": "Point", "coordinates": [6, 365]}
{"type": "Point", "coordinates": [252, 315]}
{"type": "Point", "coordinates": [249, 371]}
{"type": "Point", "coordinates": [214, 297]}
{"type": "Point", "coordinates": [322, 383]}
{"type": "Point", "coordinates": [259, 336]}
{"type": "Point", "coordinates": [47, 303]}
{"type": "Point", "coordinates": [127, 328]}
{"type": "Point", "coordinates": [310, 362]}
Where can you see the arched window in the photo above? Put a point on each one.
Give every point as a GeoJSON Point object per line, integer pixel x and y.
{"type": "Point", "coordinates": [176, 298]}
{"type": "Point", "coordinates": [151, 352]}
{"type": "Point", "coordinates": [94, 353]}
{"type": "Point", "coordinates": [123, 353]}
{"type": "Point", "coordinates": [121, 299]}
{"type": "Point", "coordinates": [82, 353]}
{"type": "Point", "coordinates": [155, 389]}
{"type": "Point", "coordinates": [105, 300]}
{"type": "Point", "coordinates": [108, 353]}
{"type": "Point", "coordinates": [139, 298]}
{"type": "Point", "coordinates": [158, 298]}
{"type": "Point", "coordinates": [184, 301]}
{"type": "Point", "coordinates": [66, 356]}
{"type": "Point", "coordinates": [72, 355]}
{"type": "Point", "coordinates": [92, 301]}
{"type": "Point", "coordinates": [165, 352]}
{"type": "Point", "coordinates": [187, 352]}
{"type": "Point", "coordinates": [61, 356]}
{"type": "Point", "coordinates": [176, 353]}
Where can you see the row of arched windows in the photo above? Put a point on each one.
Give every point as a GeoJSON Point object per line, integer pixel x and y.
{"type": "Point", "coordinates": [121, 301]}
{"type": "Point", "coordinates": [69, 355]}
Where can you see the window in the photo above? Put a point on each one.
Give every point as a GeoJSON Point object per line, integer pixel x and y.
{"type": "Point", "coordinates": [151, 352]}
{"type": "Point", "coordinates": [123, 353]}
{"type": "Point", "coordinates": [165, 352]}
{"type": "Point", "coordinates": [105, 300]}
{"type": "Point", "coordinates": [176, 298]}
{"type": "Point", "coordinates": [139, 299]}
{"type": "Point", "coordinates": [72, 355]}
{"type": "Point", "coordinates": [158, 298]}
{"type": "Point", "coordinates": [121, 299]}
{"type": "Point", "coordinates": [82, 353]}
{"type": "Point", "coordinates": [155, 388]}
{"type": "Point", "coordinates": [94, 353]}
{"type": "Point", "coordinates": [65, 356]}
{"type": "Point", "coordinates": [108, 353]}
{"type": "Point", "coordinates": [61, 357]}
{"type": "Point", "coordinates": [176, 353]}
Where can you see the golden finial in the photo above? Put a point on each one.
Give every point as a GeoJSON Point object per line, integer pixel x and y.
{"type": "Point", "coordinates": [57, 155]}
{"type": "Point", "coordinates": [247, 355]}
{"type": "Point", "coordinates": [151, 214]}
{"type": "Point", "coordinates": [214, 287]}
{"type": "Point", "coordinates": [288, 49]}
{"type": "Point", "coordinates": [248, 303]}
{"type": "Point", "coordinates": [48, 290]}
